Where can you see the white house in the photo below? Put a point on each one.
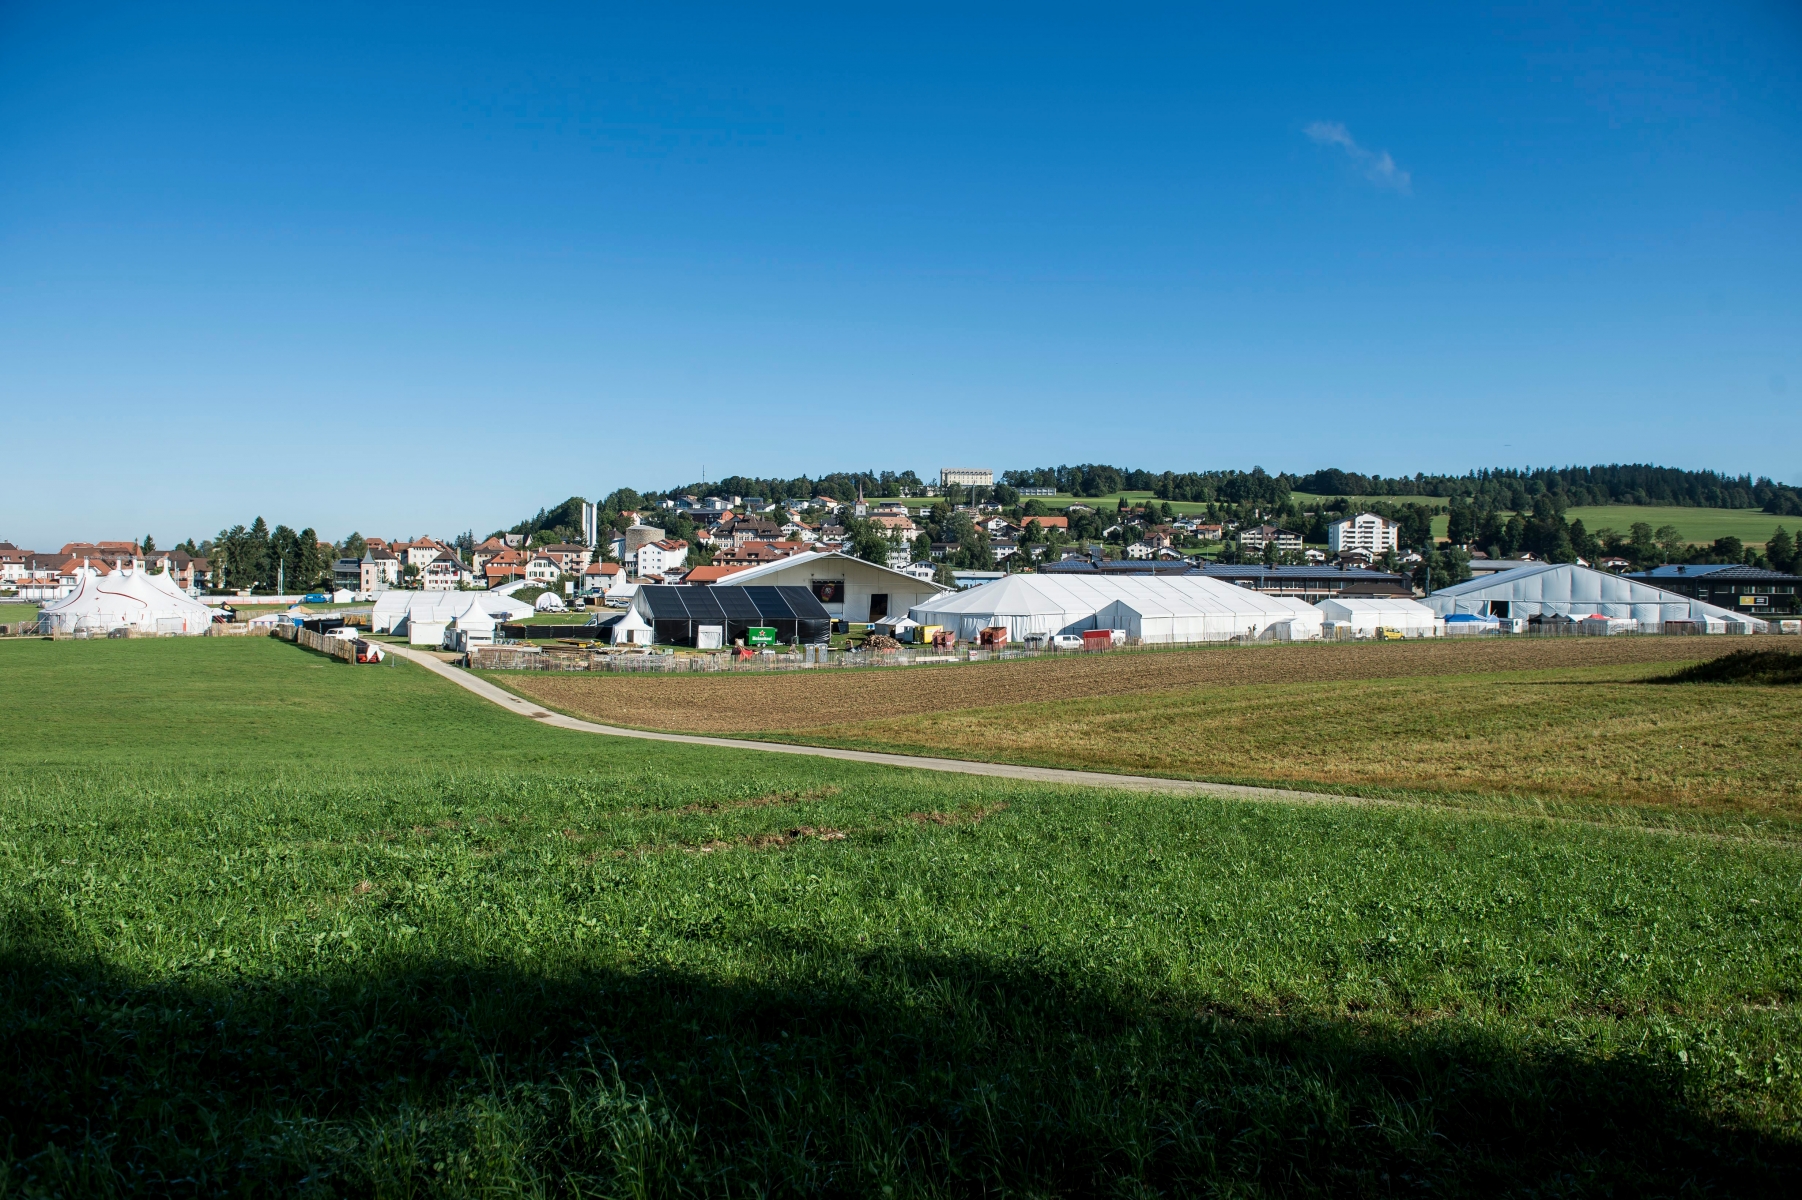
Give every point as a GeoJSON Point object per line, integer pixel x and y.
{"type": "Point", "coordinates": [444, 574]}
{"type": "Point", "coordinates": [655, 558]}
{"type": "Point", "coordinates": [543, 570]}
{"type": "Point", "coordinates": [1264, 535]}
{"type": "Point", "coordinates": [850, 589]}
{"type": "Point", "coordinates": [1366, 531]}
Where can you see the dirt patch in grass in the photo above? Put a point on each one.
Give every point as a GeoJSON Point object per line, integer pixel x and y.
{"type": "Point", "coordinates": [751, 703]}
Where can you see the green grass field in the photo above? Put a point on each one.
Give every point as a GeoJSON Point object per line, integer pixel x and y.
{"type": "Point", "coordinates": [273, 923]}
{"type": "Point", "coordinates": [1592, 741]}
{"type": "Point", "coordinates": [11, 614]}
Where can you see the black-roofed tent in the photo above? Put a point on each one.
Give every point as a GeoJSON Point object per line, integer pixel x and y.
{"type": "Point", "coordinates": [679, 614]}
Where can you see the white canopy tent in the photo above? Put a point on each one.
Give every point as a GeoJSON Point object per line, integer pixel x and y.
{"type": "Point", "coordinates": [137, 600]}
{"type": "Point", "coordinates": [1365, 615]}
{"type": "Point", "coordinates": [550, 602]}
{"type": "Point", "coordinates": [631, 629]}
{"type": "Point", "coordinates": [1163, 608]}
{"type": "Point", "coordinates": [1567, 590]}
{"type": "Point", "coordinates": [396, 610]}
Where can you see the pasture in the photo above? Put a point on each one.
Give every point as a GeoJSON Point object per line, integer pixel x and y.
{"type": "Point", "coordinates": [273, 923]}
{"type": "Point", "coordinates": [1565, 721]}
{"type": "Point", "coordinates": [14, 613]}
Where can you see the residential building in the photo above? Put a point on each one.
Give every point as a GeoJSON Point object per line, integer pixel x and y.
{"type": "Point", "coordinates": [419, 552]}
{"type": "Point", "coordinates": [760, 552]}
{"type": "Point", "coordinates": [486, 553]}
{"type": "Point", "coordinates": [659, 557]}
{"type": "Point", "coordinates": [1046, 522]}
{"type": "Point", "coordinates": [1268, 535]}
{"type": "Point", "coordinates": [445, 573]}
{"type": "Point", "coordinates": [543, 569]}
{"type": "Point", "coordinates": [12, 562]}
{"type": "Point", "coordinates": [965, 477]}
{"type": "Point", "coordinates": [1366, 531]}
{"type": "Point", "coordinates": [895, 523]}
{"type": "Point", "coordinates": [573, 559]}
{"type": "Point", "coordinates": [1751, 590]}
{"type": "Point", "coordinates": [598, 577]}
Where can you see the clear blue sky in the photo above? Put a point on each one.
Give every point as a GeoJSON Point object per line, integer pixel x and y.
{"type": "Point", "coordinates": [425, 270]}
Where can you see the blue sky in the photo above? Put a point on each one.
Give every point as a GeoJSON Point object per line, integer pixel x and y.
{"type": "Point", "coordinates": [427, 269]}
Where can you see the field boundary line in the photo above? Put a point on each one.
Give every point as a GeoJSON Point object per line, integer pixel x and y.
{"type": "Point", "coordinates": [520, 706]}
{"type": "Point", "coordinates": [1065, 776]}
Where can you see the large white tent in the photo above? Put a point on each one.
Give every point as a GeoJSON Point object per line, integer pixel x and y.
{"type": "Point", "coordinates": [1567, 590]}
{"type": "Point", "coordinates": [1162, 608]}
{"type": "Point", "coordinates": [396, 610]}
{"type": "Point", "coordinates": [137, 600]}
{"type": "Point", "coordinates": [1363, 616]}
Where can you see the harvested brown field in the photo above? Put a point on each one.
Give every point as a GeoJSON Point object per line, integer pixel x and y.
{"type": "Point", "coordinates": [1592, 734]}
{"type": "Point", "coordinates": [757, 702]}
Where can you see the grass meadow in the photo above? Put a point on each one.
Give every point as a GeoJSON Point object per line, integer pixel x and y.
{"type": "Point", "coordinates": [273, 923]}
{"type": "Point", "coordinates": [13, 613]}
{"type": "Point", "coordinates": [1606, 737]}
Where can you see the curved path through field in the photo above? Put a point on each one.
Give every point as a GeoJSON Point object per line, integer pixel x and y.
{"type": "Point", "coordinates": [1142, 783]}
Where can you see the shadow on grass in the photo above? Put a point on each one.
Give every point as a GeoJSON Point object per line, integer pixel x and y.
{"type": "Point", "coordinates": [1766, 667]}
{"type": "Point", "coordinates": [937, 1075]}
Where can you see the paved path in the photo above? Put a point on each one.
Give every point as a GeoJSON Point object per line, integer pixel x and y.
{"type": "Point", "coordinates": [1142, 783]}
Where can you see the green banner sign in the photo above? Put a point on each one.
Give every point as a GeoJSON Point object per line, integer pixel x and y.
{"type": "Point", "coordinates": [759, 635]}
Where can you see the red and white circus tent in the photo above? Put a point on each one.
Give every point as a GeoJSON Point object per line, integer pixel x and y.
{"type": "Point", "coordinates": [133, 599]}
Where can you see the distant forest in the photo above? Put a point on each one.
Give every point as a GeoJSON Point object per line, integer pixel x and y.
{"type": "Point", "coordinates": [1505, 489]}
{"type": "Point", "coordinates": [1512, 489]}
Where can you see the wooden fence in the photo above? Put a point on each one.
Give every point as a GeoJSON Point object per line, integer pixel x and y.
{"type": "Point", "coordinates": [344, 648]}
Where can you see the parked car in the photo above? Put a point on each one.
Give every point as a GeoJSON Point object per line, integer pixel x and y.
{"type": "Point", "coordinates": [1066, 641]}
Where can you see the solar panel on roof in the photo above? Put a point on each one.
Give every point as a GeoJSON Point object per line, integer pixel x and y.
{"type": "Point", "coordinates": [701, 604]}
{"type": "Point", "coordinates": [735, 604]}
{"type": "Point", "coordinates": [803, 603]}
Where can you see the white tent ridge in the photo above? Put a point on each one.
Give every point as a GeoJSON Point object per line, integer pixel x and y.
{"type": "Point", "coordinates": [137, 600]}
{"type": "Point", "coordinates": [396, 610]}
{"type": "Point", "coordinates": [1364, 615]}
{"type": "Point", "coordinates": [1153, 609]}
{"type": "Point", "coordinates": [1567, 590]}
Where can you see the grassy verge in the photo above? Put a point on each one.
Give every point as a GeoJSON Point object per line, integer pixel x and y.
{"type": "Point", "coordinates": [269, 922]}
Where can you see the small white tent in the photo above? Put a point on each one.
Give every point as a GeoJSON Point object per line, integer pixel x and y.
{"type": "Point", "coordinates": [631, 629]}
{"type": "Point", "coordinates": [130, 599]}
{"type": "Point", "coordinates": [550, 602]}
{"type": "Point", "coordinates": [1363, 616]}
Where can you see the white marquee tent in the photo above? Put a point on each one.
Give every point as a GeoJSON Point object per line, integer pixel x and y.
{"type": "Point", "coordinates": [395, 610]}
{"type": "Point", "coordinates": [143, 602]}
{"type": "Point", "coordinates": [1163, 608]}
{"type": "Point", "coordinates": [1567, 590]}
{"type": "Point", "coordinates": [1365, 615]}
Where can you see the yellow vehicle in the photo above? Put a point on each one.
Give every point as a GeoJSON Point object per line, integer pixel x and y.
{"type": "Point", "coordinates": [1388, 635]}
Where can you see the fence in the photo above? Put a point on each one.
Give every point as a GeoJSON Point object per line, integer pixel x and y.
{"type": "Point", "coordinates": [515, 657]}
{"type": "Point", "coordinates": [344, 648]}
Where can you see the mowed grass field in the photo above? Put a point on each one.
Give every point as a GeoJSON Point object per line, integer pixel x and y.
{"type": "Point", "coordinates": [11, 614]}
{"type": "Point", "coordinates": [1567, 720]}
{"type": "Point", "coordinates": [270, 923]}
{"type": "Point", "coordinates": [1696, 525]}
